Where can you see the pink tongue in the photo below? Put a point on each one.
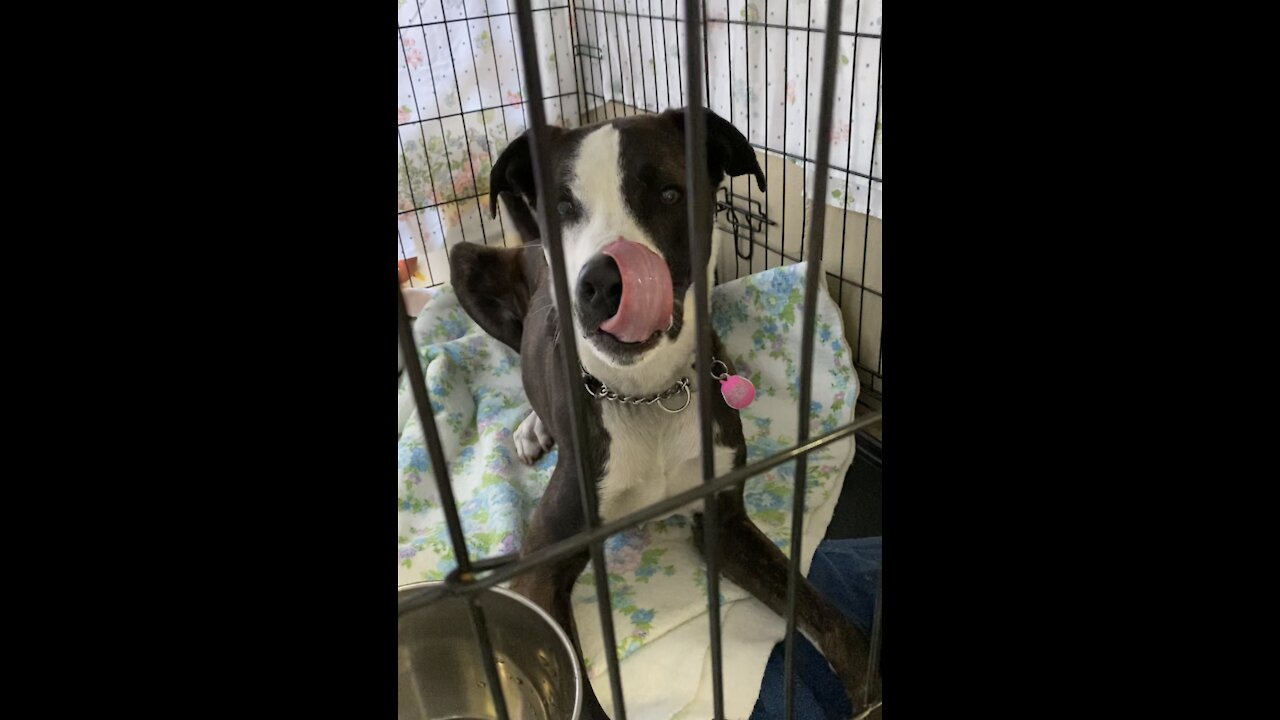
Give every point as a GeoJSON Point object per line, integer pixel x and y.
{"type": "Point", "coordinates": [646, 292]}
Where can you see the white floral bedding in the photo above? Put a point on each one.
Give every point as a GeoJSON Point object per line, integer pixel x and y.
{"type": "Point", "coordinates": [657, 579]}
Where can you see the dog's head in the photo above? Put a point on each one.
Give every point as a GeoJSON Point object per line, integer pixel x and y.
{"type": "Point", "coordinates": [619, 188]}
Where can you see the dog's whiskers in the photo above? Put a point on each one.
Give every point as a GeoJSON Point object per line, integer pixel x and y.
{"type": "Point", "coordinates": [548, 306]}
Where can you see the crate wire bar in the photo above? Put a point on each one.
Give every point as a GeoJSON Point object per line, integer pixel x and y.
{"type": "Point", "coordinates": [471, 578]}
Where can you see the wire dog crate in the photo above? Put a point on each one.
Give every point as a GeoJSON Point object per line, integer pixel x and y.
{"type": "Point", "coordinates": [606, 59]}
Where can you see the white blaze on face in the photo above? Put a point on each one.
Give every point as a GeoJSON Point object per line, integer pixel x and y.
{"type": "Point", "coordinates": [596, 184]}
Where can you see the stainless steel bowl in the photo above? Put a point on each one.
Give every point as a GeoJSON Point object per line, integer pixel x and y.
{"type": "Point", "coordinates": [441, 673]}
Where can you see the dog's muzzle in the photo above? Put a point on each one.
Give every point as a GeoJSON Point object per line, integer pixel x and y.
{"type": "Point", "coordinates": [626, 292]}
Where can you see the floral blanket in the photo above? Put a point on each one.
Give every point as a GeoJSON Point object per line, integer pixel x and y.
{"type": "Point", "coordinates": [657, 578]}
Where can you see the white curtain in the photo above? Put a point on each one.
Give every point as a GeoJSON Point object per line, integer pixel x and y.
{"type": "Point", "coordinates": [765, 80]}
{"type": "Point", "coordinates": [461, 100]}
{"type": "Point", "coordinates": [461, 95]}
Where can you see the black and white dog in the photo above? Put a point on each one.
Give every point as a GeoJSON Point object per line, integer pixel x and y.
{"type": "Point", "coordinates": [620, 193]}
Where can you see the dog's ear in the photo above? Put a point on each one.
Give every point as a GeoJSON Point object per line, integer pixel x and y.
{"type": "Point", "coordinates": [728, 151]}
{"type": "Point", "coordinates": [512, 174]}
{"type": "Point", "coordinates": [512, 179]}
{"type": "Point", "coordinates": [494, 285]}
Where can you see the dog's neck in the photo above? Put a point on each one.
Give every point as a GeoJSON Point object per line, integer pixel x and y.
{"type": "Point", "coordinates": [643, 381]}
{"type": "Point", "coordinates": [600, 391]}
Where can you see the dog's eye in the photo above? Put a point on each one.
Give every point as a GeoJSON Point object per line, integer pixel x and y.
{"type": "Point", "coordinates": [565, 207]}
{"type": "Point", "coordinates": [671, 195]}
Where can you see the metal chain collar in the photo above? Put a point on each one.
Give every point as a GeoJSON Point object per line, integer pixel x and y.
{"type": "Point", "coordinates": [682, 385]}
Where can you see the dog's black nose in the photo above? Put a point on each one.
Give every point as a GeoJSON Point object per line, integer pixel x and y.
{"type": "Point", "coordinates": [599, 291]}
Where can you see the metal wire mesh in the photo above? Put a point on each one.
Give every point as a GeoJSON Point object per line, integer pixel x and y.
{"type": "Point", "coordinates": [445, 148]}
{"type": "Point", "coordinates": [447, 141]}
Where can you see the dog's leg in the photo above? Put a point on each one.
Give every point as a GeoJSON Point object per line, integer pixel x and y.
{"type": "Point", "coordinates": [532, 439]}
{"type": "Point", "coordinates": [754, 563]}
{"type": "Point", "coordinates": [550, 587]}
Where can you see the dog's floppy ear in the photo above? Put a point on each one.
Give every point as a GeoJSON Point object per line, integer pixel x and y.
{"type": "Point", "coordinates": [512, 179]}
{"type": "Point", "coordinates": [728, 152]}
{"type": "Point", "coordinates": [494, 285]}
{"type": "Point", "coordinates": [512, 174]}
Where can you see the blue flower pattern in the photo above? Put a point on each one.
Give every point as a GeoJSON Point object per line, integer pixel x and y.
{"type": "Point", "coordinates": [656, 576]}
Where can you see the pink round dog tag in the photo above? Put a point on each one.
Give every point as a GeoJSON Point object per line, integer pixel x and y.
{"type": "Point", "coordinates": [738, 392]}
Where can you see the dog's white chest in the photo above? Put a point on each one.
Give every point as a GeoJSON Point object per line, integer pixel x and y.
{"type": "Point", "coordinates": [652, 455]}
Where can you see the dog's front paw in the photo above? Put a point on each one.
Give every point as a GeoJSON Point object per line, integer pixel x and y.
{"type": "Point", "coordinates": [532, 439]}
